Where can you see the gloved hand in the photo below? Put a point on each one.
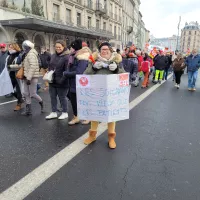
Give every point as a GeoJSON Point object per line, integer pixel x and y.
{"type": "Point", "coordinates": [113, 67]}
{"type": "Point", "coordinates": [98, 65]}
{"type": "Point", "coordinates": [28, 82]}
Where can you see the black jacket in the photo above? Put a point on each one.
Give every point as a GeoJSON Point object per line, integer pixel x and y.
{"type": "Point", "coordinates": [160, 62]}
{"type": "Point", "coordinates": [59, 63]}
{"type": "Point", "coordinates": [169, 61]}
{"type": "Point", "coordinates": [10, 61]}
{"type": "Point", "coordinates": [45, 59]}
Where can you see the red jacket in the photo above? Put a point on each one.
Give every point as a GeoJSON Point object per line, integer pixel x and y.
{"type": "Point", "coordinates": [140, 60]}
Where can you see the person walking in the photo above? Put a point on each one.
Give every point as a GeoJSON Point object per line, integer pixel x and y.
{"type": "Point", "coordinates": [168, 65]}
{"type": "Point", "coordinates": [160, 62]}
{"type": "Point", "coordinates": [106, 62]}
{"type": "Point", "coordinates": [59, 86]}
{"type": "Point", "coordinates": [145, 67]}
{"type": "Point", "coordinates": [193, 64]}
{"type": "Point", "coordinates": [45, 58]}
{"type": "Point", "coordinates": [178, 68]}
{"type": "Point", "coordinates": [31, 74]}
{"type": "Point", "coordinates": [78, 62]}
{"type": "Point", "coordinates": [13, 54]}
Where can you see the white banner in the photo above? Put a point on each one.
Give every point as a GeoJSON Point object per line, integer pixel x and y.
{"type": "Point", "coordinates": [5, 83]}
{"type": "Point", "coordinates": [103, 98]}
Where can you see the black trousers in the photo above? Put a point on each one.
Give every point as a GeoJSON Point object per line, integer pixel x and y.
{"type": "Point", "coordinates": [178, 75]}
{"type": "Point", "coordinates": [17, 94]}
{"type": "Point", "coordinates": [73, 99]}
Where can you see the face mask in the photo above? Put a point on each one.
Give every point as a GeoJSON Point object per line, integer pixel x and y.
{"type": "Point", "coordinates": [12, 51]}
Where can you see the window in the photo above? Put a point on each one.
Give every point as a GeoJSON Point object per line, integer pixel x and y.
{"type": "Point", "coordinates": [115, 31]}
{"type": "Point", "coordinates": [105, 4]}
{"type": "Point", "coordinates": [89, 22]}
{"type": "Point", "coordinates": [110, 27]}
{"type": "Point", "coordinates": [90, 4]}
{"type": "Point", "coordinates": [184, 33]}
{"type": "Point", "coordinates": [104, 26]}
{"type": "Point", "coordinates": [195, 32]}
{"type": "Point", "coordinates": [189, 32]}
{"type": "Point", "coordinates": [78, 19]}
{"type": "Point", "coordinates": [55, 12]}
{"type": "Point", "coordinates": [98, 24]}
{"type": "Point", "coordinates": [68, 15]}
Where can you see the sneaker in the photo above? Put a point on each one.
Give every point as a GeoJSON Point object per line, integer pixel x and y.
{"type": "Point", "coordinates": [63, 116]}
{"type": "Point", "coordinates": [159, 82]}
{"type": "Point", "coordinates": [53, 115]}
{"type": "Point", "coordinates": [193, 89]}
{"type": "Point", "coordinates": [85, 122]}
{"type": "Point", "coordinates": [178, 86]}
{"type": "Point", "coordinates": [189, 89]}
{"type": "Point", "coordinates": [74, 121]}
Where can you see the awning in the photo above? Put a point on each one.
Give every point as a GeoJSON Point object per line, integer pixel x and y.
{"type": "Point", "coordinates": [57, 28]}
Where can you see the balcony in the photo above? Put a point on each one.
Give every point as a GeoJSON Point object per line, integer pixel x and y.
{"type": "Point", "coordinates": [129, 29]}
{"type": "Point", "coordinates": [100, 9]}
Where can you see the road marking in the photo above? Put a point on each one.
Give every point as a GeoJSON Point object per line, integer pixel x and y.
{"type": "Point", "coordinates": [1, 104]}
{"type": "Point", "coordinates": [37, 177]}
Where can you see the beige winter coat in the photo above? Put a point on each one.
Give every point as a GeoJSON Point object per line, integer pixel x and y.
{"type": "Point", "coordinates": [31, 65]}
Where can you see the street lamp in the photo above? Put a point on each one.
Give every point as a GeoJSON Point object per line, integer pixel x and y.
{"type": "Point", "coordinates": [178, 32]}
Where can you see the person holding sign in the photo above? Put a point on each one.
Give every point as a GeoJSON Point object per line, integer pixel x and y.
{"type": "Point", "coordinates": [104, 63]}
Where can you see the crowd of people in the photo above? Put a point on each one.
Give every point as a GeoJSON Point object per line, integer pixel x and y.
{"type": "Point", "coordinates": [67, 62]}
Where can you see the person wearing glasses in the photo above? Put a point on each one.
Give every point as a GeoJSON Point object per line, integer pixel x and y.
{"type": "Point", "coordinates": [104, 63]}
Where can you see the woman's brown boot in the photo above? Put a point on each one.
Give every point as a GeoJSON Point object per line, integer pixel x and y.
{"type": "Point", "coordinates": [91, 138]}
{"type": "Point", "coordinates": [111, 140]}
{"type": "Point", "coordinates": [18, 107]}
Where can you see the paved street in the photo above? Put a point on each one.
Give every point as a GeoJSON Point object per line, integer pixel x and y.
{"type": "Point", "coordinates": [157, 155]}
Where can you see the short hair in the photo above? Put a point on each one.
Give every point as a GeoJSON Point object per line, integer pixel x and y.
{"type": "Point", "coordinates": [15, 46]}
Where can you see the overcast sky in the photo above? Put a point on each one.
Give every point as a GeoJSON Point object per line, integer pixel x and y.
{"type": "Point", "coordinates": [161, 16]}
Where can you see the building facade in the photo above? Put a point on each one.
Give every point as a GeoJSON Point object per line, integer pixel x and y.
{"type": "Point", "coordinates": [130, 21]}
{"type": "Point", "coordinates": [171, 42]}
{"type": "Point", "coordinates": [45, 21]}
{"type": "Point", "coordinates": [190, 37]}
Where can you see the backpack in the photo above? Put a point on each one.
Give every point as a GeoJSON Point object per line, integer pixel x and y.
{"type": "Point", "coordinates": [145, 66]}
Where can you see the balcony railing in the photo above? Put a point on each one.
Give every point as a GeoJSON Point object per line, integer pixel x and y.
{"type": "Point", "coordinates": [100, 9]}
{"type": "Point", "coordinates": [129, 29]}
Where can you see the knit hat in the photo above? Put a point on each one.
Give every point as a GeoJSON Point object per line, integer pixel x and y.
{"type": "Point", "coordinates": [27, 45]}
{"type": "Point", "coordinates": [77, 44]}
{"type": "Point", "coordinates": [2, 45]}
{"type": "Point", "coordinates": [105, 44]}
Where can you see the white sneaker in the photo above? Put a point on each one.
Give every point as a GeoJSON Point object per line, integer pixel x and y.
{"type": "Point", "coordinates": [53, 115]}
{"type": "Point", "coordinates": [178, 86]}
{"type": "Point", "coordinates": [63, 116]}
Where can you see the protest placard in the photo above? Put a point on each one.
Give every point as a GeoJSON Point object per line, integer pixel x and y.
{"type": "Point", "coordinates": [5, 83]}
{"type": "Point", "coordinates": [103, 98]}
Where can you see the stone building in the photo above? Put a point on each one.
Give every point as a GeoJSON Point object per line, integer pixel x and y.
{"type": "Point", "coordinates": [130, 21]}
{"type": "Point", "coordinates": [45, 21]}
{"type": "Point", "coordinates": [190, 37]}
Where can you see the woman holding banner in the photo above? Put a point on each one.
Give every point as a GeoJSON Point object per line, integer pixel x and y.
{"type": "Point", "coordinates": [106, 62]}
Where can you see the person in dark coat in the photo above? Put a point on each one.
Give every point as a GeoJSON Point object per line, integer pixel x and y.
{"type": "Point", "coordinates": [59, 86]}
{"type": "Point", "coordinates": [160, 62]}
{"type": "Point", "coordinates": [45, 58]}
{"type": "Point", "coordinates": [78, 62]}
{"type": "Point", "coordinates": [13, 54]}
{"type": "Point", "coordinates": [168, 65]}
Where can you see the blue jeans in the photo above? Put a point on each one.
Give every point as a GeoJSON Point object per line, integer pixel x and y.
{"type": "Point", "coordinates": [192, 77]}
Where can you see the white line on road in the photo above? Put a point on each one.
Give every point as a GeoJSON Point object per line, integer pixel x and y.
{"type": "Point", "coordinates": [1, 104]}
{"type": "Point", "coordinates": [34, 179]}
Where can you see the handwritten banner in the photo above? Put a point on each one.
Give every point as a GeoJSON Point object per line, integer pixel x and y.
{"type": "Point", "coordinates": [103, 98]}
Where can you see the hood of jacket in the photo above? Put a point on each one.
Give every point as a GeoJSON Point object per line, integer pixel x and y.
{"type": "Point", "coordinates": [83, 54]}
{"type": "Point", "coordinates": [115, 57]}
{"type": "Point", "coordinates": [65, 52]}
